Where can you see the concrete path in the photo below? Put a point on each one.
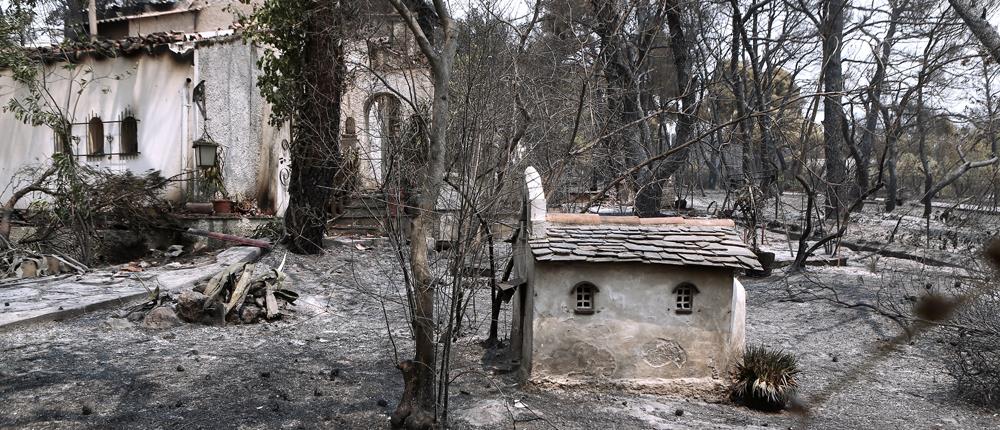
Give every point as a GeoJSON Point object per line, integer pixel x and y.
{"type": "Point", "coordinates": [59, 297]}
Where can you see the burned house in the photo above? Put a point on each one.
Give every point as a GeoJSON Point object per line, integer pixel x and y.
{"type": "Point", "coordinates": [624, 298]}
{"type": "Point", "coordinates": [162, 76]}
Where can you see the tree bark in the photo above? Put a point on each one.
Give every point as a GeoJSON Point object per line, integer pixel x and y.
{"type": "Point", "coordinates": [440, 53]}
{"type": "Point", "coordinates": [981, 28]}
{"type": "Point", "coordinates": [833, 110]}
{"type": "Point", "coordinates": [316, 156]}
{"type": "Point", "coordinates": [686, 88]}
{"type": "Point", "coordinates": [922, 152]}
{"type": "Point", "coordinates": [648, 204]}
{"type": "Point", "coordinates": [624, 57]}
{"type": "Point", "coordinates": [741, 133]}
{"type": "Point", "coordinates": [892, 184]}
{"type": "Point", "coordinates": [622, 98]}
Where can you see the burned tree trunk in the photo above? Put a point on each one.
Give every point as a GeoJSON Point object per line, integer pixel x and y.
{"type": "Point", "coordinates": [833, 110]}
{"type": "Point", "coordinates": [406, 402]}
{"type": "Point", "coordinates": [627, 33]}
{"type": "Point", "coordinates": [623, 101]}
{"type": "Point", "coordinates": [316, 155]}
{"type": "Point", "coordinates": [892, 185]}
{"type": "Point", "coordinates": [862, 153]}
{"type": "Point", "coordinates": [686, 88]}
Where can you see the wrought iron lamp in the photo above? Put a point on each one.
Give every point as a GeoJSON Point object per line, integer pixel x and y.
{"type": "Point", "coordinates": [206, 151]}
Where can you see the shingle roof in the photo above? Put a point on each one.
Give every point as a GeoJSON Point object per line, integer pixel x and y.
{"type": "Point", "coordinates": [149, 44]}
{"type": "Point", "coordinates": [671, 241]}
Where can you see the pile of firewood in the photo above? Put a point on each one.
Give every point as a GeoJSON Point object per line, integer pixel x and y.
{"type": "Point", "coordinates": [237, 295]}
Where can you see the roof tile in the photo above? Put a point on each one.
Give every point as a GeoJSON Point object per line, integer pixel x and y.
{"type": "Point", "coordinates": [713, 243]}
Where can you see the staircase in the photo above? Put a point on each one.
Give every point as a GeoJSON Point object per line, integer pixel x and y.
{"type": "Point", "coordinates": [364, 214]}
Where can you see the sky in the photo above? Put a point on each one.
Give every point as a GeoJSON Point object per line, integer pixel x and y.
{"type": "Point", "coordinates": [513, 8]}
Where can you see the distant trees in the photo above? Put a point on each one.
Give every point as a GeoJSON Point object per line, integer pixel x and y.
{"type": "Point", "coordinates": [645, 116]}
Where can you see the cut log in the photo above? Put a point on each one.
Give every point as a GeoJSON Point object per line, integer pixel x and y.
{"type": "Point", "coordinates": [219, 281]}
{"type": "Point", "coordinates": [229, 238]}
{"type": "Point", "coordinates": [271, 304]}
{"type": "Point", "coordinates": [191, 306]}
{"type": "Point", "coordinates": [69, 261]}
{"type": "Point", "coordinates": [241, 288]}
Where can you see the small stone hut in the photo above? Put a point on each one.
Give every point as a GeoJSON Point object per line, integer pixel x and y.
{"type": "Point", "coordinates": [625, 299]}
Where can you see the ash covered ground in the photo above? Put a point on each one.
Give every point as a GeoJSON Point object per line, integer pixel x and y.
{"type": "Point", "coordinates": [331, 363]}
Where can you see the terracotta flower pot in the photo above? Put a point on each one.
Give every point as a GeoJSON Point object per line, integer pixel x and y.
{"type": "Point", "coordinates": [199, 207]}
{"type": "Point", "coordinates": [222, 206]}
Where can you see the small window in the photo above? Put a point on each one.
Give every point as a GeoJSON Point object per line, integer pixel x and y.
{"type": "Point", "coordinates": [130, 135]}
{"type": "Point", "coordinates": [584, 295]}
{"type": "Point", "coordinates": [350, 126]}
{"type": "Point", "coordinates": [95, 136]}
{"type": "Point", "coordinates": [685, 297]}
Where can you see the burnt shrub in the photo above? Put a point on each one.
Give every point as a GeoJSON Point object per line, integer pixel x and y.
{"type": "Point", "coordinates": [765, 379]}
{"type": "Point", "coordinates": [973, 349]}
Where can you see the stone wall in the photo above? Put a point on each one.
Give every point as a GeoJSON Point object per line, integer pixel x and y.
{"type": "Point", "coordinates": [635, 332]}
{"type": "Point", "coordinates": [411, 87]}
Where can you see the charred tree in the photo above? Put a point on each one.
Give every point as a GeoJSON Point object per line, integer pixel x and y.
{"type": "Point", "coordinates": [627, 33]}
{"type": "Point", "coordinates": [316, 155]}
{"type": "Point", "coordinates": [862, 152]}
{"type": "Point", "coordinates": [834, 121]}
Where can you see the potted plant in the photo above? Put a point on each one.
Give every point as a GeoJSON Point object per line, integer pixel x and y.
{"type": "Point", "coordinates": [209, 161]}
{"type": "Point", "coordinates": [221, 203]}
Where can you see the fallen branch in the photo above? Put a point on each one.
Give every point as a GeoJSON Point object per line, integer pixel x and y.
{"type": "Point", "coordinates": [229, 238]}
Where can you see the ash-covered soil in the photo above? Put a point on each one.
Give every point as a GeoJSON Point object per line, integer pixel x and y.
{"type": "Point", "coordinates": [331, 365]}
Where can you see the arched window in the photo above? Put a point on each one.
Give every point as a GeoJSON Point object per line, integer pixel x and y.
{"type": "Point", "coordinates": [684, 294]}
{"type": "Point", "coordinates": [130, 135]}
{"type": "Point", "coordinates": [95, 136]}
{"type": "Point", "coordinates": [584, 295]}
{"type": "Point", "coordinates": [350, 126]}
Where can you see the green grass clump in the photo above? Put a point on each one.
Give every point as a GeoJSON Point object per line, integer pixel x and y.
{"type": "Point", "coordinates": [765, 379]}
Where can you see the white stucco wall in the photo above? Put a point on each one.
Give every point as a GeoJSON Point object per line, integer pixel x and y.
{"type": "Point", "coordinates": [157, 90]}
{"type": "Point", "coordinates": [410, 86]}
{"type": "Point", "coordinates": [238, 122]}
{"type": "Point", "coordinates": [738, 325]}
{"type": "Point", "coordinates": [635, 332]}
{"type": "Point", "coordinates": [152, 88]}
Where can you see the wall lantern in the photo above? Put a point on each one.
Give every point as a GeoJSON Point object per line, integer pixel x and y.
{"type": "Point", "coordinates": [206, 152]}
